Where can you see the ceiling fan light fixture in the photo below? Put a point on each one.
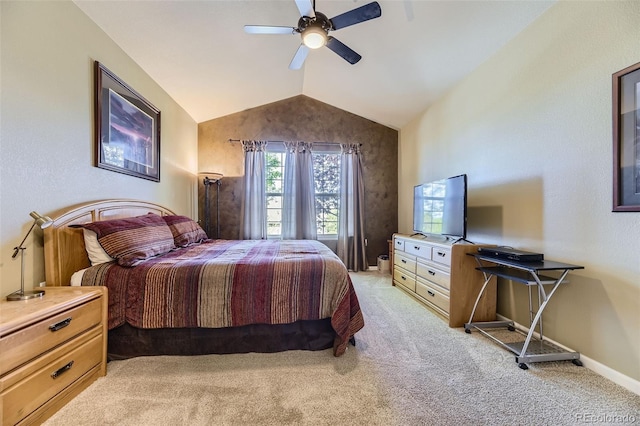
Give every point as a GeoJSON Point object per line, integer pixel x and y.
{"type": "Point", "coordinates": [314, 28]}
{"type": "Point", "coordinates": [314, 37]}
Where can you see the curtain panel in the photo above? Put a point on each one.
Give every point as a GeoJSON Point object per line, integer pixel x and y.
{"type": "Point", "coordinates": [253, 224]}
{"type": "Point", "coordinates": [298, 204]}
{"type": "Point", "coordinates": [351, 246]}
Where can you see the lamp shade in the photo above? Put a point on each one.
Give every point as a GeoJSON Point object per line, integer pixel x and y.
{"type": "Point", "coordinates": [314, 37]}
{"type": "Point", "coordinates": [210, 177]}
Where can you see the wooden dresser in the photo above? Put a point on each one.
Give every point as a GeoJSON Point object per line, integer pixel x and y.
{"type": "Point", "coordinates": [51, 348]}
{"type": "Point", "coordinates": [443, 277]}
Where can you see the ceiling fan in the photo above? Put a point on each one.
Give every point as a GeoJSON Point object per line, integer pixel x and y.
{"type": "Point", "coordinates": [314, 29]}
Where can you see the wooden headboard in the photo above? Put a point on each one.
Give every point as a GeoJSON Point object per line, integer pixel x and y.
{"type": "Point", "coordinates": [64, 251]}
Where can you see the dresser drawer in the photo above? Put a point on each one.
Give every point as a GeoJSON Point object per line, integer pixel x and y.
{"type": "Point", "coordinates": [19, 347]}
{"type": "Point", "coordinates": [398, 244]}
{"type": "Point", "coordinates": [431, 295]}
{"type": "Point", "coordinates": [441, 256]}
{"type": "Point", "coordinates": [418, 249]}
{"type": "Point", "coordinates": [433, 274]}
{"type": "Point", "coordinates": [49, 375]}
{"type": "Point", "coordinates": [405, 279]}
{"type": "Point", "coordinates": [406, 262]}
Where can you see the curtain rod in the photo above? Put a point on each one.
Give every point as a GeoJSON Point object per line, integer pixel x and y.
{"type": "Point", "coordinates": [327, 143]}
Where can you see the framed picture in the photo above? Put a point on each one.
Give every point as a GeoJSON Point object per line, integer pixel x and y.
{"type": "Point", "coordinates": [626, 139]}
{"type": "Point", "coordinates": [127, 128]}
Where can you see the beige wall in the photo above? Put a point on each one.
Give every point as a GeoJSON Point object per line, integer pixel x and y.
{"type": "Point", "coordinates": [532, 129]}
{"type": "Point", "coordinates": [46, 144]}
{"type": "Point", "coordinates": [306, 119]}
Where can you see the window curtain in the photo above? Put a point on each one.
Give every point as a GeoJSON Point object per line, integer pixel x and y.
{"type": "Point", "coordinates": [254, 221]}
{"type": "Point", "coordinates": [298, 204]}
{"type": "Point", "coordinates": [351, 247]}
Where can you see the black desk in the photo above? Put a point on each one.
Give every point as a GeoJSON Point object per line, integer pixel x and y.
{"type": "Point", "coordinates": [532, 349]}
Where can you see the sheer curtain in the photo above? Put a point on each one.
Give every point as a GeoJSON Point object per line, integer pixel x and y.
{"type": "Point", "coordinates": [351, 248]}
{"type": "Point", "coordinates": [254, 221]}
{"type": "Point", "coordinates": [298, 204]}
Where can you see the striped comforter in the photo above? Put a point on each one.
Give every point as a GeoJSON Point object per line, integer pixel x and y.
{"type": "Point", "coordinates": [223, 283]}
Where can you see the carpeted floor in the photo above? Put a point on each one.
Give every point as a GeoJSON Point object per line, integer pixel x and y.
{"type": "Point", "coordinates": [408, 368]}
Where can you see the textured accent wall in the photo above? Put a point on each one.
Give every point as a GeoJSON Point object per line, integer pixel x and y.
{"type": "Point", "coordinates": [302, 118]}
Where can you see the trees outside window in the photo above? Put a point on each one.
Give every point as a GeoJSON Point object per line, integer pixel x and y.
{"type": "Point", "coordinates": [275, 177]}
{"type": "Point", "coordinates": [326, 171]}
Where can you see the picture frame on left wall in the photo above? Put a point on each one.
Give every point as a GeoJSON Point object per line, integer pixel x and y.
{"type": "Point", "coordinates": [626, 139]}
{"type": "Point", "coordinates": [127, 128]}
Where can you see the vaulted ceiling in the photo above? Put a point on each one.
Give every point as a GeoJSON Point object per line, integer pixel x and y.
{"type": "Point", "coordinates": [198, 52]}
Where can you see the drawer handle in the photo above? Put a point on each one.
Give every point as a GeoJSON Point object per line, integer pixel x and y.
{"type": "Point", "coordinates": [403, 277]}
{"type": "Point", "coordinates": [62, 324]}
{"type": "Point", "coordinates": [403, 261]}
{"type": "Point", "coordinates": [442, 254]}
{"type": "Point", "coordinates": [416, 247]}
{"type": "Point", "coordinates": [432, 294]}
{"type": "Point", "coordinates": [431, 273]}
{"type": "Point", "coordinates": [61, 370]}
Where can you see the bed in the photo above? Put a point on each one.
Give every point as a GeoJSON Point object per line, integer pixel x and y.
{"type": "Point", "coordinates": [174, 292]}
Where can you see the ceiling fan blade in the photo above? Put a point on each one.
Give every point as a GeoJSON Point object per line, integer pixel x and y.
{"type": "Point", "coordinates": [306, 8]}
{"type": "Point", "coordinates": [355, 16]}
{"type": "Point", "coordinates": [266, 29]}
{"type": "Point", "coordinates": [299, 57]}
{"type": "Point", "coordinates": [342, 50]}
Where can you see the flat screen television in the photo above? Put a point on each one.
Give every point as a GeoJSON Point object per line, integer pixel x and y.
{"type": "Point", "coordinates": [440, 207]}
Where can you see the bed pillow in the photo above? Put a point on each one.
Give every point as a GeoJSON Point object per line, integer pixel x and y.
{"type": "Point", "coordinates": [185, 231]}
{"type": "Point", "coordinates": [134, 239]}
{"type": "Point", "coordinates": [96, 253]}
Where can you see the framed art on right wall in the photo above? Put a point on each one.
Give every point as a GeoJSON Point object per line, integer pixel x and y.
{"type": "Point", "coordinates": [626, 139]}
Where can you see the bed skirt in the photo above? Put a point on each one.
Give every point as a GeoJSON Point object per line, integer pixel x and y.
{"type": "Point", "coordinates": [127, 341]}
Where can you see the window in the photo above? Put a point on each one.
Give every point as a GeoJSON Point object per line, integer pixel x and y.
{"type": "Point", "coordinates": [326, 169]}
{"type": "Point", "coordinates": [275, 176]}
{"type": "Point", "coordinates": [326, 176]}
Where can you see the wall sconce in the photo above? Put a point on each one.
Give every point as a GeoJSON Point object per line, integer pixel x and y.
{"type": "Point", "coordinates": [42, 222]}
{"type": "Point", "coordinates": [208, 180]}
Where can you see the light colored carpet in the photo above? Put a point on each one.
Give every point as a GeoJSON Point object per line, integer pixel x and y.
{"type": "Point", "coordinates": [408, 368]}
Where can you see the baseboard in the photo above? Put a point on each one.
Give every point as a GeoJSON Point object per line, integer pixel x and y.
{"type": "Point", "coordinates": [593, 365]}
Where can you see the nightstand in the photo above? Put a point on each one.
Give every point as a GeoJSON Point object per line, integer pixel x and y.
{"type": "Point", "coordinates": [51, 348]}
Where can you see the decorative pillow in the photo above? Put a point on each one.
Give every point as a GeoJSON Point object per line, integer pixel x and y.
{"type": "Point", "coordinates": [185, 230]}
{"type": "Point", "coordinates": [134, 239]}
{"type": "Point", "coordinates": [96, 253]}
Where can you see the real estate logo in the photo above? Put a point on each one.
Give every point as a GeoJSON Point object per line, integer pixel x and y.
{"type": "Point", "coordinates": [605, 418]}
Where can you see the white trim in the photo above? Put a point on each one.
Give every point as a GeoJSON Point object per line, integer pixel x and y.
{"type": "Point", "coordinates": [626, 382]}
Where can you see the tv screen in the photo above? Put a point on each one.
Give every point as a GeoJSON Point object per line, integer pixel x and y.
{"type": "Point", "coordinates": [440, 207]}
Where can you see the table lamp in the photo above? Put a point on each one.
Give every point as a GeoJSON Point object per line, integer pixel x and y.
{"type": "Point", "coordinates": [42, 222]}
